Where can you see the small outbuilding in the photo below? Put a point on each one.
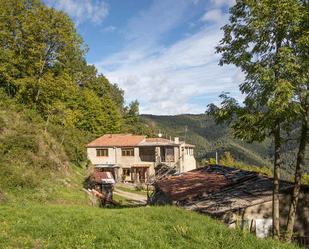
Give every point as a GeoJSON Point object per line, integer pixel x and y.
{"type": "Point", "coordinates": [238, 197]}
{"type": "Point", "coordinates": [102, 184]}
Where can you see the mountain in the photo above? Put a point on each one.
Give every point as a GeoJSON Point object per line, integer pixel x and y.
{"type": "Point", "coordinates": [208, 137]}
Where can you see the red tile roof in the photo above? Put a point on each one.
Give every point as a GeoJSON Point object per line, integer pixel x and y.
{"type": "Point", "coordinates": [110, 140]}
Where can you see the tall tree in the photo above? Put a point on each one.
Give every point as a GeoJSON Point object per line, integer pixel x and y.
{"type": "Point", "coordinates": [258, 40]}
{"type": "Point", "coordinates": [35, 40]}
{"type": "Point", "coordinates": [42, 65]}
{"type": "Point", "coordinates": [301, 78]}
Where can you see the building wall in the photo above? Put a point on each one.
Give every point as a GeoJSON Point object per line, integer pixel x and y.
{"type": "Point", "coordinates": [115, 157]}
{"type": "Point", "coordinates": [127, 161]}
{"type": "Point", "coordinates": [189, 163]}
{"type": "Point", "coordinates": [182, 161]}
{"type": "Point", "coordinates": [92, 156]}
{"type": "Point", "coordinates": [187, 160]}
{"type": "Point", "coordinates": [264, 211]}
{"type": "Point", "coordinates": [302, 216]}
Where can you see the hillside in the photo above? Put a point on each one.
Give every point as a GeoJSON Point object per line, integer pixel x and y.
{"type": "Point", "coordinates": [52, 103]}
{"type": "Point", "coordinates": [50, 226]}
{"type": "Point", "coordinates": [39, 161]}
{"type": "Point", "coordinates": [208, 137]}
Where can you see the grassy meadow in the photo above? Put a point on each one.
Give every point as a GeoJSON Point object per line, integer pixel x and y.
{"type": "Point", "coordinates": [78, 226]}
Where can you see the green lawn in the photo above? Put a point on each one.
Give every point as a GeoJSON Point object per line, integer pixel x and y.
{"type": "Point", "coordinates": [76, 226]}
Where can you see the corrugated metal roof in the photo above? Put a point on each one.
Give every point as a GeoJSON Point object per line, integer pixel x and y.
{"type": "Point", "coordinates": [103, 177]}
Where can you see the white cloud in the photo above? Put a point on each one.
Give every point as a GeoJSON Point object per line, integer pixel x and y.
{"type": "Point", "coordinates": [214, 15]}
{"type": "Point", "coordinates": [222, 3]}
{"type": "Point", "coordinates": [179, 78]}
{"type": "Point", "coordinates": [82, 10]}
{"type": "Point", "coordinates": [168, 81]}
{"type": "Point", "coordinates": [110, 28]}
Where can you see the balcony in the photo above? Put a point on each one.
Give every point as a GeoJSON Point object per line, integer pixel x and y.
{"type": "Point", "coordinates": [148, 158]}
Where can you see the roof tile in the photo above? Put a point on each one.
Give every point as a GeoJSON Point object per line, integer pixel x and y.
{"type": "Point", "coordinates": [109, 140]}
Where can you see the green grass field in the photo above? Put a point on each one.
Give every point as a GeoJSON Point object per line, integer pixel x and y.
{"type": "Point", "coordinates": [77, 226]}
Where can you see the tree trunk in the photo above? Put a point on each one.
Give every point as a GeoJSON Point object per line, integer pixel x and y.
{"type": "Point", "coordinates": [297, 180]}
{"type": "Point", "coordinates": [276, 186]}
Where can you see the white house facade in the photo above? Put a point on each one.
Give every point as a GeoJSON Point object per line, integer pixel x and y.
{"type": "Point", "coordinates": [134, 157]}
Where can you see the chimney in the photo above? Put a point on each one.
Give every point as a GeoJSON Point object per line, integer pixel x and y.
{"type": "Point", "coordinates": [177, 140]}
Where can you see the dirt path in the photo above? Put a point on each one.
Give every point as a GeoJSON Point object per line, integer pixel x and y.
{"type": "Point", "coordinates": [134, 198]}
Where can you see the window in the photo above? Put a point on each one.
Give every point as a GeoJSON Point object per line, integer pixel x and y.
{"type": "Point", "coordinates": [126, 171]}
{"type": "Point", "coordinates": [102, 152]}
{"type": "Point", "coordinates": [127, 152]}
{"type": "Point", "coordinates": [189, 151]}
{"type": "Point", "coordinates": [169, 152]}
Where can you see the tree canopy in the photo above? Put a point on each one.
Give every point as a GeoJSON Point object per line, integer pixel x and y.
{"type": "Point", "coordinates": [43, 66]}
{"type": "Point", "coordinates": [266, 40]}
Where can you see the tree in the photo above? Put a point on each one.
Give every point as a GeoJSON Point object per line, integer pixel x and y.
{"type": "Point", "coordinates": [259, 40]}
{"type": "Point", "coordinates": [301, 78]}
{"type": "Point", "coordinates": [35, 40]}
{"type": "Point", "coordinates": [227, 159]}
{"type": "Point", "coordinates": [42, 65]}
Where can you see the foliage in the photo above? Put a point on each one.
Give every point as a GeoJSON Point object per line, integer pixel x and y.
{"type": "Point", "coordinates": [42, 65]}
{"type": "Point", "coordinates": [132, 122]}
{"type": "Point", "coordinates": [305, 179]}
{"type": "Point", "coordinates": [228, 160]}
{"type": "Point", "coordinates": [51, 102]}
{"type": "Point", "coordinates": [208, 137]}
{"type": "Point", "coordinates": [260, 39]}
{"type": "Point", "coordinates": [32, 225]}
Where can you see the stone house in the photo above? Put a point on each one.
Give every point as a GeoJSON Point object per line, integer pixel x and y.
{"type": "Point", "coordinates": [135, 157]}
{"type": "Point", "coordinates": [237, 197]}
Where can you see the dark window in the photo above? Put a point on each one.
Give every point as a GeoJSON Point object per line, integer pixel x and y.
{"type": "Point", "coordinates": [127, 171]}
{"type": "Point", "coordinates": [169, 155]}
{"type": "Point", "coordinates": [127, 152]}
{"type": "Point", "coordinates": [102, 152]}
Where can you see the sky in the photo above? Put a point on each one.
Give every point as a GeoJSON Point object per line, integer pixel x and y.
{"type": "Point", "coordinates": [160, 52]}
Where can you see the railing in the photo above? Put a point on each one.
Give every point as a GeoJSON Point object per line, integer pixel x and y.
{"type": "Point", "coordinates": [150, 158]}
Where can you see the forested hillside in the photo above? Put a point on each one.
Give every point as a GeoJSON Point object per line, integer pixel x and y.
{"type": "Point", "coordinates": [208, 137]}
{"type": "Point", "coordinates": [51, 101]}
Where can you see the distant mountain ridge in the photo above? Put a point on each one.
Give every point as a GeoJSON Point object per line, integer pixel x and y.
{"type": "Point", "coordinates": [207, 136]}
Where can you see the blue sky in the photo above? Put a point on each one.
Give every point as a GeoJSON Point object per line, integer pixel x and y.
{"type": "Point", "coordinates": [161, 52]}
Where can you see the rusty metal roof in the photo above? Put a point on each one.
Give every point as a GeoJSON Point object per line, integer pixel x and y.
{"type": "Point", "coordinates": [216, 189]}
{"type": "Point", "coordinates": [191, 184]}
{"type": "Point", "coordinates": [103, 177]}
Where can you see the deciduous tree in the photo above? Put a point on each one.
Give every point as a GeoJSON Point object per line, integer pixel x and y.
{"type": "Point", "coordinates": [259, 40]}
